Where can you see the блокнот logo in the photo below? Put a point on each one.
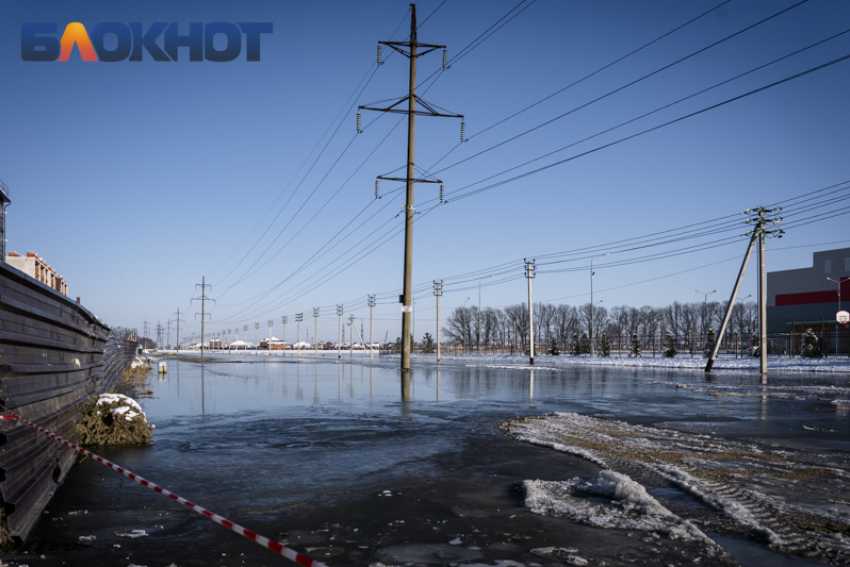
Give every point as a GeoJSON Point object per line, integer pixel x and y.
{"type": "Point", "coordinates": [39, 41]}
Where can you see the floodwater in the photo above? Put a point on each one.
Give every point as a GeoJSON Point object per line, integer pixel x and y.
{"type": "Point", "coordinates": [345, 461]}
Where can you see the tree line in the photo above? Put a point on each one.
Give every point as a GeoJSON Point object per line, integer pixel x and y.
{"type": "Point", "coordinates": [689, 323]}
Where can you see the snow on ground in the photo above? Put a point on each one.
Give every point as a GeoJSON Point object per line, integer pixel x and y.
{"type": "Point", "coordinates": [795, 501]}
{"type": "Point", "coordinates": [626, 505]}
{"type": "Point", "coordinates": [682, 361]}
{"type": "Point", "coordinates": [128, 408]}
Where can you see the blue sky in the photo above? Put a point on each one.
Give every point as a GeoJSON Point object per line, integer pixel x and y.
{"type": "Point", "coordinates": [136, 179]}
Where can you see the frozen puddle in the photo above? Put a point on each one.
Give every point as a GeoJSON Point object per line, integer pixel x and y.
{"type": "Point", "coordinates": [682, 485]}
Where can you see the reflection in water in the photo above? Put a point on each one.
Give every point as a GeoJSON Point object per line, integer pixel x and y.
{"type": "Point", "coordinates": [299, 394]}
{"type": "Point", "coordinates": [763, 404]}
{"type": "Point", "coordinates": [405, 386]}
{"type": "Point", "coordinates": [228, 388]}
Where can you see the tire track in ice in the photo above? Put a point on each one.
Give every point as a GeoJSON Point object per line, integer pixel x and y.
{"type": "Point", "coordinates": [724, 475]}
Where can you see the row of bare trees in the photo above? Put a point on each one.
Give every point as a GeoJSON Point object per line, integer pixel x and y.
{"type": "Point", "coordinates": [689, 322]}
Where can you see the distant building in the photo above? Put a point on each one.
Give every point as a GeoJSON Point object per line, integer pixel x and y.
{"type": "Point", "coordinates": [4, 200]}
{"type": "Point", "coordinates": [805, 296]}
{"type": "Point", "coordinates": [38, 269]}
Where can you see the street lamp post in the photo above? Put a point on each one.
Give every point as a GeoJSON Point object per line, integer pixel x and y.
{"type": "Point", "coordinates": [590, 326]}
{"type": "Point", "coordinates": [705, 311]}
{"type": "Point", "coordinates": [839, 307]}
{"type": "Point", "coordinates": [839, 281]}
{"type": "Point", "coordinates": [478, 318]}
{"type": "Point", "coordinates": [464, 305]}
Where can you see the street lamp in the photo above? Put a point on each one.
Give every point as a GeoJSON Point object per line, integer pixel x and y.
{"type": "Point", "coordinates": [705, 311]}
{"type": "Point", "coordinates": [839, 307]}
{"type": "Point", "coordinates": [478, 333]}
{"type": "Point", "coordinates": [464, 306]}
{"type": "Point", "coordinates": [839, 288]}
{"type": "Point", "coordinates": [591, 299]}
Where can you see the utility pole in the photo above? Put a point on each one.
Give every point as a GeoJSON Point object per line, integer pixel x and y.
{"type": "Point", "coordinates": [178, 329]}
{"type": "Point", "coordinates": [757, 234]}
{"type": "Point", "coordinates": [256, 336]}
{"type": "Point", "coordinates": [339, 338]}
{"type": "Point", "coordinates": [591, 300]}
{"type": "Point", "coordinates": [283, 320]}
{"type": "Point", "coordinates": [158, 335]}
{"type": "Point", "coordinates": [146, 334]}
{"type": "Point", "coordinates": [298, 318]}
{"type": "Point", "coordinates": [316, 332]}
{"type": "Point", "coordinates": [168, 333]}
{"type": "Point", "coordinates": [438, 293]}
{"type": "Point", "coordinates": [203, 299]}
{"type": "Point", "coordinates": [245, 337]}
{"type": "Point", "coordinates": [530, 272]}
{"type": "Point", "coordinates": [372, 326]}
{"type": "Point", "coordinates": [410, 50]}
{"type": "Point", "coordinates": [271, 324]}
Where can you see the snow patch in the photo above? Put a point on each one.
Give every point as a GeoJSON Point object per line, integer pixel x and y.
{"type": "Point", "coordinates": [630, 507]}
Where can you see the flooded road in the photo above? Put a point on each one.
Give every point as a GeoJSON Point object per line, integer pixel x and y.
{"type": "Point", "coordinates": [351, 465]}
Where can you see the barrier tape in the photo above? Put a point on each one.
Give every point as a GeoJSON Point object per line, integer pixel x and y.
{"type": "Point", "coordinates": [274, 546]}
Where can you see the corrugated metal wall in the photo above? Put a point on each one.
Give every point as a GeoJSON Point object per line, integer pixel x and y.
{"type": "Point", "coordinates": [54, 354]}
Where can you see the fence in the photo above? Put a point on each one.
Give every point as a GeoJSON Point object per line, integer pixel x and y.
{"type": "Point", "coordinates": [831, 342]}
{"type": "Point", "coordinates": [54, 354]}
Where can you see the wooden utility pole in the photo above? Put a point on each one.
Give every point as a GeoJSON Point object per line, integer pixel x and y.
{"type": "Point", "coordinates": [410, 49]}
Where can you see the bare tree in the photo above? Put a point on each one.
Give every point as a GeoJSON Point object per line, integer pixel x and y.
{"type": "Point", "coordinates": [650, 318]}
{"type": "Point", "coordinates": [459, 326]}
{"type": "Point", "coordinates": [518, 315]}
{"type": "Point", "coordinates": [634, 322]}
{"type": "Point", "coordinates": [489, 325]}
{"type": "Point", "coordinates": [688, 322]}
{"type": "Point", "coordinates": [564, 323]}
{"type": "Point", "coordinates": [600, 315]}
{"type": "Point", "coordinates": [544, 314]}
{"type": "Point", "coordinates": [673, 317]}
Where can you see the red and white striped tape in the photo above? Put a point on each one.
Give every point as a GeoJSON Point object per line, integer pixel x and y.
{"type": "Point", "coordinates": [293, 555]}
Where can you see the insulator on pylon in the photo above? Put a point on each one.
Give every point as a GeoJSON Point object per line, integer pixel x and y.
{"type": "Point", "coordinates": [441, 194]}
{"type": "Point", "coordinates": [376, 189]}
{"type": "Point", "coordinates": [358, 123]}
{"type": "Point", "coordinates": [379, 55]}
{"type": "Point", "coordinates": [462, 130]}
{"type": "Point", "coordinates": [444, 58]}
